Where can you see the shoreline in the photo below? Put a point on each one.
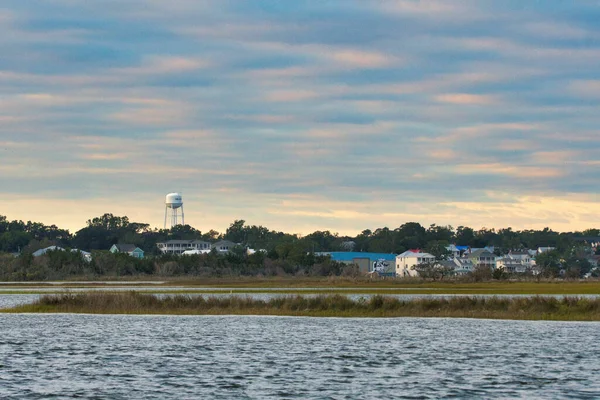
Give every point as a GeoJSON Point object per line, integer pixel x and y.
{"type": "Point", "coordinates": [313, 286]}
{"type": "Point", "coordinates": [133, 303]}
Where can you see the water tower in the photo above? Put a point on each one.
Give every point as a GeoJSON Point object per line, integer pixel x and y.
{"type": "Point", "coordinates": [174, 202]}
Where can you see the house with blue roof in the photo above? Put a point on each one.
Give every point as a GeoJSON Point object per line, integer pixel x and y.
{"type": "Point", "coordinates": [382, 263]}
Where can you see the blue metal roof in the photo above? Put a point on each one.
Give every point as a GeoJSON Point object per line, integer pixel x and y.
{"type": "Point", "coordinates": [351, 255]}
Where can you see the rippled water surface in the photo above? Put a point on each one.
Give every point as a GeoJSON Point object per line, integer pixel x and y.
{"type": "Point", "coordinates": [232, 357]}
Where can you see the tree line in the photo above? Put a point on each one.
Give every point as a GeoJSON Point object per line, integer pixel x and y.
{"type": "Point", "coordinates": [284, 253]}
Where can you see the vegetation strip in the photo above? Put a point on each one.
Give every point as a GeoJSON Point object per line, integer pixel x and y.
{"type": "Point", "coordinates": [324, 286]}
{"type": "Point", "coordinates": [527, 308]}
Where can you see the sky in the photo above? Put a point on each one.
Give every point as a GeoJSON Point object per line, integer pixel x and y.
{"type": "Point", "coordinates": [303, 115]}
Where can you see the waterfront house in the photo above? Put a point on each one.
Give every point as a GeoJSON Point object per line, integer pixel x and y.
{"type": "Point", "coordinates": [180, 246]}
{"type": "Point", "coordinates": [130, 249]}
{"type": "Point", "coordinates": [482, 258]}
{"type": "Point", "coordinates": [407, 261]}
{"type": "Point", "coordinates": [84, 254]}
{"type": "Point", "coordinates": [380, 263]}
{"type": "Point", "coordinates": [511, 265]}
{"type": "Point", "coordinates": [223, 246]}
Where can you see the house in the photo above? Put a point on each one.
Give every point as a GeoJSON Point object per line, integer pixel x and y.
{"type": "Point", "coordinates": [482, 258]}
{"type": "Point", "coordinates": [174, 246]}
{"type": "Point", "coordinates": [130, 249]}
{"type": "Point", "coordinates": [511, 265]}
{"type": "Point", "coordinates": [453, 250]}
{"type": "Point", "coordinates": [195, 251]}
{"type": "Point", "coordinates": [461, 265]}
{"type": "Point", "coordinates": [541, 250]}
{"type": "Point", "coordinates": [491, 249]}
{"type": "Point", "coordinates": [522, 257]}
{"type": "Point", "coordinates": [180, 246]}
{"type": "Point", "coordinates": [381, 263]}
{"type": "Point", "coordinates": [223, 246]}
{"type": "Point", "coordinates": [41, 252]}
{"type": "Point", "coordinates": [406, 262]}
{"type": "Point", "coordinates": [84, 254]}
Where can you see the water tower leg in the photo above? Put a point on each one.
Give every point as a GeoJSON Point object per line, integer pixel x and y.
{"type": "Point", "coordinates": [165, 217]}
{"type": "Point", "coordinates": [182, 220]}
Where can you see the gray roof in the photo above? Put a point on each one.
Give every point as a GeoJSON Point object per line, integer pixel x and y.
{"type": "Point", "coordinates": [126, 248]}
{"type": "Point", "coordinates": [481, 253]}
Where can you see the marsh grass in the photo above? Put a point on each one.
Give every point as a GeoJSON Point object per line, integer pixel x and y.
{"type": "Point", "coordinates": [531, 308]}
{"type": "Point", "coordinates": [344, 286]}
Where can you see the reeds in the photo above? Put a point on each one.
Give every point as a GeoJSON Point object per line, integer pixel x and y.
{"type": "Point", "coordinates": [533, 308]}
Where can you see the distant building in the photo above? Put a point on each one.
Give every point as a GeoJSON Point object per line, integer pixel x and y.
{"type": "Point", "coordinates": [86, 256]}
{"type": "Point", "coordinates": [130, 249]}
{"type": "Point", "coordinates": [511, 265]}
{"type": "Point", "coordinates": [482, 258]}
{"type": "Point", "coordinates": [541, 250]}
{"type": "Point", "coordinates": [41, 252]}
{"type": "Point", "coordinates": [194, 251]}
{"type": "Point", "coordinates": [180, 246]}
{"type": "Point", "coordinates": [223, 246]}
{"type": "Point", "coordinates": [381, 263]}
{"type": "Point", "coordinates": [406, 262]}
{"type": "Point", "coordinates": [461, 265]}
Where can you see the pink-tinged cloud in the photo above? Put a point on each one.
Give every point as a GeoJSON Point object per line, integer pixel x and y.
{"type": "Point", "coordinates": [264, 118]}
{"type": "Point", "coordinates": [555, 156]}
{"type": "Point", "coordinates": [513, 171]}
{"type": "Point", "coordinates": [516, 145]}
{"type": "Point", "coordinates": [362, 59]}
{"type": "Point", "coordinates": [104, 156]}
{"type": "Point", "coordinates": [290, 95]}
{"type": "Point", "coordinates": [467, 99]}
{"type": "Point", "coordinates": [171, 114]}
{"type": "Point", "coordinates": [586, 88]}
{"type": "Point", "coordinates": [430, 8]}
{"type": "Point", "coordinates": [557, 30]}
{"type": "Point", "coordinates": [443, 154]}
{"type": "Point", "coordinates": [165, 65]}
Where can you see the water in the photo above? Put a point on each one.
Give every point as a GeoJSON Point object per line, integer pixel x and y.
{"type": "Point", "coordinates": [227, 357]}
{"type": "Point", "coordinates": [8, 301]}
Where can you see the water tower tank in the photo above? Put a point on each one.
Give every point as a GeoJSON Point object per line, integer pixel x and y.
{"type": "Point", "coordinates": [174, 200]}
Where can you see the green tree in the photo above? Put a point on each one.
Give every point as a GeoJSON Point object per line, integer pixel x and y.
{"type": "Point", "coordinates": [548, 263]}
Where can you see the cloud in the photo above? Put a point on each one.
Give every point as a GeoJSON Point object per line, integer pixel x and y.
{"type": "Point", "coordinates": [466, 99]}
{"type": "Point", "coordinates": [302, 115]}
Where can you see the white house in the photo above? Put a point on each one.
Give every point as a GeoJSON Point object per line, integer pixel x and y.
{"type": "Point", "coordinates": [511, 265]}
{"type": "Point", "coordinates": [86, 255]}
{"type": "Point", "coordinates": [409, 259]}
{"type": "Point", "coordinates": [224, 246]}
{"type": "Point", "coordinates": [541, 250]}
{"type": "Point", "coordinates": [181, 246]}
{"type": "Point", "coordinates": [462, 265]}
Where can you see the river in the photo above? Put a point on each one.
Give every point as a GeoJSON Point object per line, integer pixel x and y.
{"type": "Point", "coordinates": [246, 357]}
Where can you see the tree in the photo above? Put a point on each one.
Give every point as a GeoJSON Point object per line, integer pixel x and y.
{"type": "Point", "coordinates": [465, 236]}
{"type": "Point", "coordinates": [236, 232]}
{"type": "Point", "coordinates": [548, 263]}
{"type": "Point", "coordinates": [440, 233]}
{"type": "Point", "coordinates": [438, 249]}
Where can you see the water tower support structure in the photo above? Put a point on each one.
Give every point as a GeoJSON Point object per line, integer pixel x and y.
{"type": "Point", "coordinates": [174, 217]}
{"type": "Point", "coordinates": [175, 203]}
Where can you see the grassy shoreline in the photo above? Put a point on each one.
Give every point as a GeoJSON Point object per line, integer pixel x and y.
{"type": "Point", "coordinates": [339, 286]}
{"type": "Point", "coordinates": [529, 308]}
